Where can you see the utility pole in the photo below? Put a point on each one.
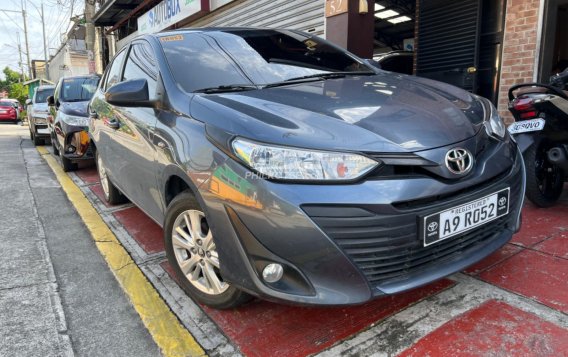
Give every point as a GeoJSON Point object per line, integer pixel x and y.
{"type": "Point", "coordinates": [46, 64]}
{"type": "Point", "coordinates": [90, 33]}
{"type": "Point", "coordinates": [20, 52]}
{"type": "Point", "coordinates": [26, 38]}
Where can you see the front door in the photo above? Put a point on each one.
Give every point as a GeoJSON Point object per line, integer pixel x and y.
{"type": "Point", "coordinates": [133, 142]}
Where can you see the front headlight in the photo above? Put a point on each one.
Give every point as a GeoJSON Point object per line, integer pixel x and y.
{"type": "Point", "coordinates": [494, 124]}
{"type": "Point", "coordinates": [285, 163]}
{"type": "Point", "coordinates": [73, 120]}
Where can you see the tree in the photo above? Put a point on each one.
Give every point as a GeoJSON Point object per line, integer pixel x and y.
{"type": "Point", "coordinates": [12, 84]}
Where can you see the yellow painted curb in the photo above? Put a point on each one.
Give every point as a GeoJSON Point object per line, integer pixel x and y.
{"type": "Point", "coordinates": [166, 330]}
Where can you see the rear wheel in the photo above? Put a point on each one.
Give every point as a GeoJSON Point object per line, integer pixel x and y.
{"type": "Point", "coordinates": [111, 193]}
{"type": "Point", "coordinates": [192, 252]}
{"type": "Point", "coordinates": [545, 180]}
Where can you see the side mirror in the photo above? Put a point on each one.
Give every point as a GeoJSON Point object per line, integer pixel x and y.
{"type": "Point", "coordinates": [28, 101]}
{"type": "Point", "coordinates": [132, 93]}
{"type": "Point", "coordinates": [50, 101]}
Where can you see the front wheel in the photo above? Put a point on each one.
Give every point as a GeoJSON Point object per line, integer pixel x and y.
{"type": "Point", "coordinates": [545, 180]}
{"type": "Point", "coordinates": [111, 192]}
{"type": "Point", "coordinates": [192, 252]}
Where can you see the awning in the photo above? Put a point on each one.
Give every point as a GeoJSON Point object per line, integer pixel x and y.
{"type": "Point", "coordinates": [112, 11]}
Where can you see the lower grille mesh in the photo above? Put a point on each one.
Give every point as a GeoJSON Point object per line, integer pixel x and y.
{"type": "Point", "coordinates": [387, 248]}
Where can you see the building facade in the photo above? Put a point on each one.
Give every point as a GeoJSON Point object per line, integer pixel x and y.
{"type": "Point", "coordinates": [484, 46]}
{"type": "Point", "coordinates": [71, 58]}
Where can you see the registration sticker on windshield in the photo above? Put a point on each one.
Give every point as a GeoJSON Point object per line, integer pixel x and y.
{"type": "Point", "coordinates": [171, 38]}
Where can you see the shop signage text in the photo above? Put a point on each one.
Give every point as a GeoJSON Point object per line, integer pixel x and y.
{"type": "Point", "coordinates": [167, 13]}
{"type": "Point", "coordinates": [335, 7]}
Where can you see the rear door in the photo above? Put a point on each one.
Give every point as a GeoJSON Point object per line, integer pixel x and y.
{"type": "Point", "coordinates": [133, 145]}
{"type": "Point", "coordinates": [448, 41]}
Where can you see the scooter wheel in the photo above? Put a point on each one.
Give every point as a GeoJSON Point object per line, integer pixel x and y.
{"type": "Point", "coordinates": [545, 180]}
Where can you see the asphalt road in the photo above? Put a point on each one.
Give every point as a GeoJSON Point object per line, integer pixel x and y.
{"type": "Point", "coordinates": [57, 295]}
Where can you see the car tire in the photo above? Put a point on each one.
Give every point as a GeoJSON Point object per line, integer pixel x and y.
{"type": "Point", "coordinates": [193, 256]}
{"type": "Point", "coordinates": [542, 194]}
{"type": "Point", "coordinates": [111, 193]}
{"type": "Point", "coordinates": [54, 146]}
{"type": "Point", "coordinates": [37, 141]}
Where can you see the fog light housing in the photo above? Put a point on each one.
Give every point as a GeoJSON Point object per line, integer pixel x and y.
{"type": "Point", "coordinates": [71, 149]}
{"type": "Point", "coordinates": [272, 273]}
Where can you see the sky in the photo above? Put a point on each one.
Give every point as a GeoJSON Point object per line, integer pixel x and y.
{"type": "Point", "coordinates": [57, 14]}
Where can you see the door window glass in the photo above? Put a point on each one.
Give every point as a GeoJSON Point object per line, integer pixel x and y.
{"type": "Point", "coordinates": [113, 75]}
{"type": "Point", "coordinates": [142, 65]}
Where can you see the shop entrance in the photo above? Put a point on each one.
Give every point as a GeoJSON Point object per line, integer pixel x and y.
{"type": "Point", "coordinates": [554, 45]}
{"type": "Point", "coordinates": [457, 42]}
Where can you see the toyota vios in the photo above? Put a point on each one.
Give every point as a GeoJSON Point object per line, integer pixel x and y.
{"type": "Point", "coordinates": [283, 167]}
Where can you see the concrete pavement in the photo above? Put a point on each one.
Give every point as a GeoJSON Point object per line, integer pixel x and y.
{"type": "Point", "coordinates": [57, 294]}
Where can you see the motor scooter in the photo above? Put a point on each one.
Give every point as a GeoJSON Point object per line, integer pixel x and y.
{"type": "Point", "coordinates": [541, 131]}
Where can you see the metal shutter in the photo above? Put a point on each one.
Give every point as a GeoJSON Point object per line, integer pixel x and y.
{"type": "Point", "coordinates": [304, 15]}
{"type": "Point", "coordinates": [448, 41]}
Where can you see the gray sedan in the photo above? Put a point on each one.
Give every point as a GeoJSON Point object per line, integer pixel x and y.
{"type": "Point", "coordinates": [284, 167]}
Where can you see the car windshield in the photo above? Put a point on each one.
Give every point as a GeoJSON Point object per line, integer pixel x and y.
{"type": "Point", "coordinates": [41, 95]}
{"type": "Point", "coordinates": [202, 60]}
{"type": "Point", "coordinates": [78, 89]}
{"type": "Point", "coordinates": [6, 104]}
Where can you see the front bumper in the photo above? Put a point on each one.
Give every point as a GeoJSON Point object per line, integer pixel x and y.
{"type": "Point", "coordinates": [39, 125]}
{"type": "Point", "coordinates": [346, 244]}
{"type": "Point", "coordinates": [76, 145]}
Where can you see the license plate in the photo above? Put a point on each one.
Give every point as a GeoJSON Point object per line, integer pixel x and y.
{"type": "Point", "coordinates": [43, 131]}
{"type": "Point", "coordinates": [451, 222]}
{"type": "Point", "coordinates": [526, 126]}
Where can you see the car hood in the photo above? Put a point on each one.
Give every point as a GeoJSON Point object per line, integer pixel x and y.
{"type": "Point", "coordinates": [40, 107]}
{"type": "Point", "coordinates": [74, 108]}
{"type": "Point", "coordinates": [381, 113]}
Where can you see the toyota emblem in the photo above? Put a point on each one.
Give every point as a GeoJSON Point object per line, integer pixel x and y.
{"type": "Point", "coordinates": [459, 161]}
{"type": "Point", "coordinates": [432, 227]}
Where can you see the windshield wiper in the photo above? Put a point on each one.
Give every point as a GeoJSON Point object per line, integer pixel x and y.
{"type": "Point", "coordinates": [227, 88]}
{"type": "Point", "coordinates": [318, 77]}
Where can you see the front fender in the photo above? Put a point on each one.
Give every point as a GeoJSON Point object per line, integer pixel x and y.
{"type": "Point", "coordinates": [524, 141]}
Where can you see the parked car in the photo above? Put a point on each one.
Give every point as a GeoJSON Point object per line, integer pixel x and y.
{"type": "Point", "coordinates": [282, 166]}
{"type": "Point", "coordinates": [17, 105]}
{"type": "Point", "coordinates": [7, 111]}
{"type": "Point", "coordinates": [396, 61]}
{"type": "Point", "coordinates": [37, 111]}
{"type": "Point", "coordinates": [68, 119]}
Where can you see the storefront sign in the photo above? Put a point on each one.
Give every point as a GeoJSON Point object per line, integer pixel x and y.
{"type": "Point", "coordinates": [167, 13]}
{"type": "Point", "coordinates": [335, 7]}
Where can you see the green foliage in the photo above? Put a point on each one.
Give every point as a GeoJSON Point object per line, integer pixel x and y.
{"type": "Point", "coordinates": [12, 84]}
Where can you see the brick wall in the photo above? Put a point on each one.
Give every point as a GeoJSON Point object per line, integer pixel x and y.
{"type": "Point", "coordinates": [519, 48]}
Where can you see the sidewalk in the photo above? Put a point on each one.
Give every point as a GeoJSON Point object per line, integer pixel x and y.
{"type": "Point", "coordinates": [57, 295]}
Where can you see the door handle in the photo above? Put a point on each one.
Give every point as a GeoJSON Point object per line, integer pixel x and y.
{"type": "Point", "coordinates": [113, 124]}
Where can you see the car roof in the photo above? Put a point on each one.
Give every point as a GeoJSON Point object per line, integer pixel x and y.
{"type": "Point", "coordinates": [215, 29]}
{"type": "Point", "coordinates": [82, 76]}
{"type": "Point", "coordinates": [45, 87]}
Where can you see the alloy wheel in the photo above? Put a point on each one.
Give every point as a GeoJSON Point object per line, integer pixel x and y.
{"type": "Point", "coordinates": [196, 254]}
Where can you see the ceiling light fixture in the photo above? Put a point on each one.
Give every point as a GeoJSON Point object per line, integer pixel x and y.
{"type": "Point", "coordinates": [378, 7]}
{"type": "Point", "coordinates": [386, 14]}
{"type": "Point", "coordinates": [400, 19]}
